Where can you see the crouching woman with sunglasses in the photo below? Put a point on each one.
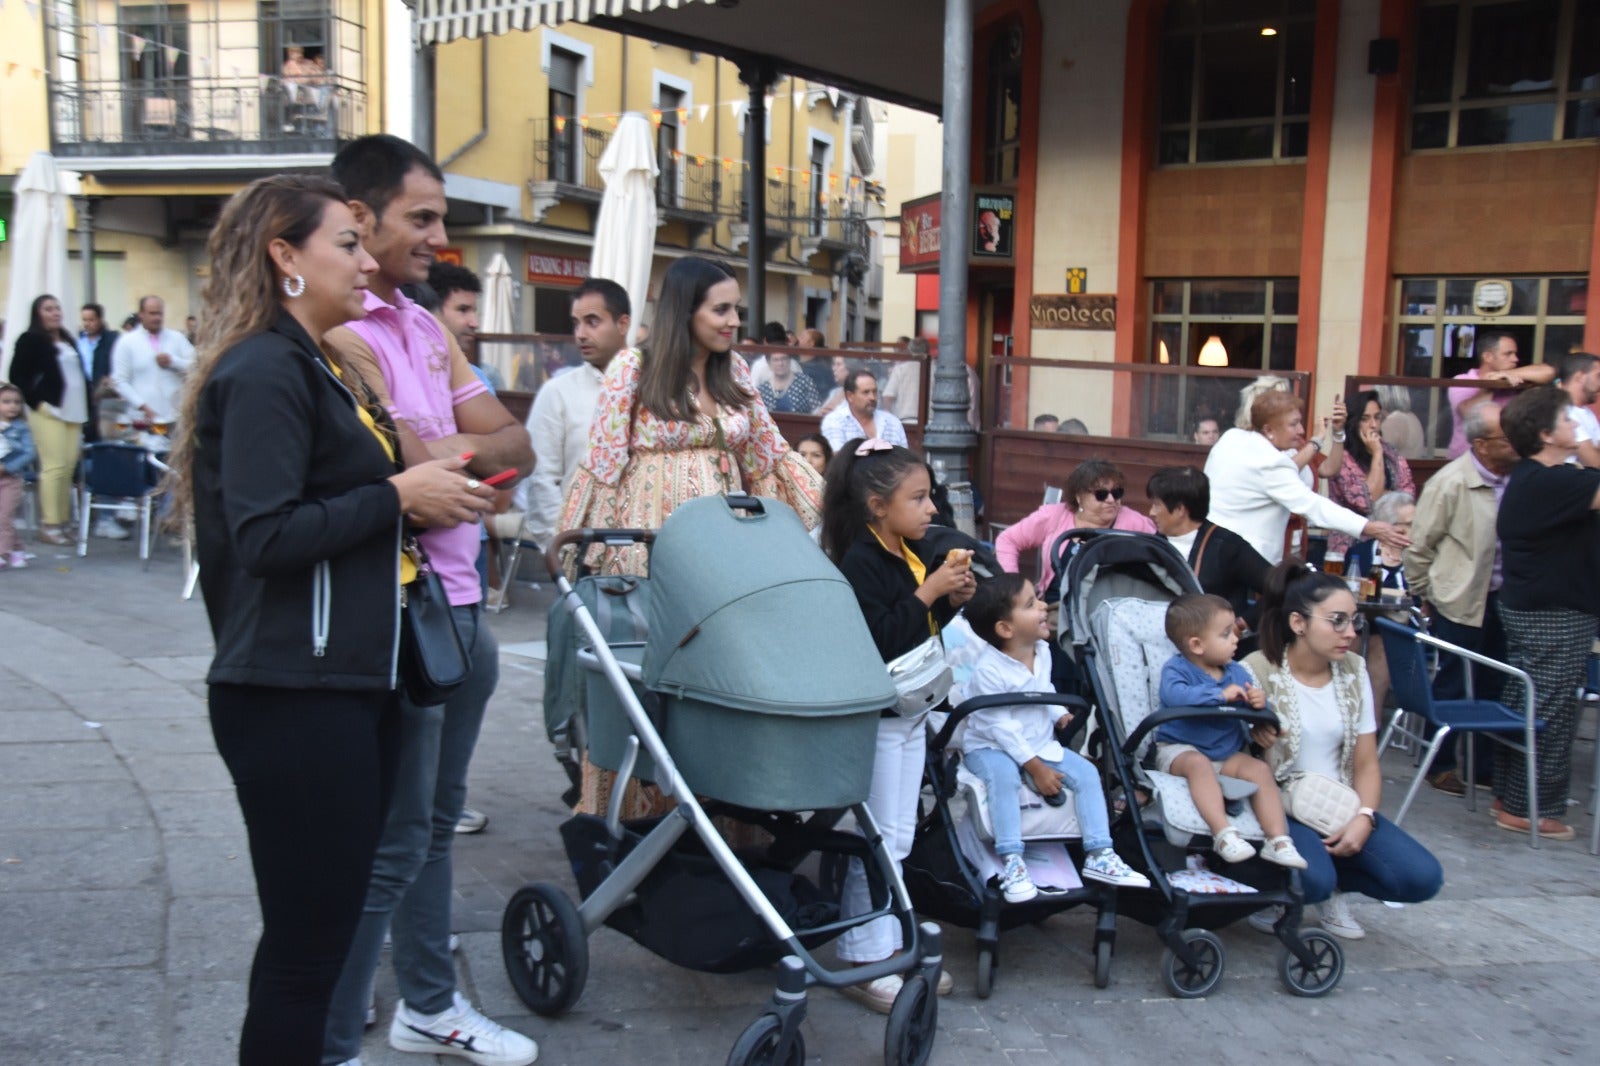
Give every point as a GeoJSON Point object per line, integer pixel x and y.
{"type": "Point", "coordinates": [1092, 499]}
{"type": "Point", "coordinates": [1323, 698]}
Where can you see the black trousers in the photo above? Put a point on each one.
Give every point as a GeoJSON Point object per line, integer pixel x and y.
{"type": "Point", "coordinates": [313, 771]}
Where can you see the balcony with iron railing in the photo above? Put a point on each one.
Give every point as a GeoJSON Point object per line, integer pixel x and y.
{"type": "Point", "coordinates": [257, 77]}
{"type": "Point", "coordinates": [195, 116]}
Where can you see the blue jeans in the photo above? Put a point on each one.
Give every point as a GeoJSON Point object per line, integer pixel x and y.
{"type": "Point", "coordinates": [1392, 866]}
{"type": "Point", "coordinates": [999, 774]}
{"type": "Point", "coordinates": [412, 877]}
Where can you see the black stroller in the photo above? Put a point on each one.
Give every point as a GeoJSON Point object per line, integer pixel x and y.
{"type": "Point", "coordinates": [697, 709]}
{"type": "Point", "coordinates": [1118, 586]}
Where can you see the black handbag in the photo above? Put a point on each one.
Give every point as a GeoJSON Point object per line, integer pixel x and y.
{"type": "Point", "coordinates": [433, 657]}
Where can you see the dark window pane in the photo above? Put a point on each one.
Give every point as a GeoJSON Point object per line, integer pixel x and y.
{"type": "Point", "coordinates": [1568, 296]}
{"type": "Point", "coordinates": [1183, 14]}
{"type": "Point", "coordinates": [1418, 345]}
{"type": "Point", "coordinates": [1512, 48]}
{"type": "Point", "coordinates": [1231, 297]}
{"type": "Point", "coordinates": [1561, 341]}
{"type": "Point", "coordinates": [1513, 124]}
{"type": "Point", "coordinates": [1284, 339]}
{"type": "Point", "coordinates": [1436, 55]}
{"type": "Point", "coordinates": [1177, 78]}
{"type": "Point", "coordinates": [1430, 129]}
{"type": "Point", "coordinates": [1235, 142]}
{"type": "Point", "coordinates": [1524, 296]}
{"type": "Point", "coordinates": [1286, 297]}
{"type": "Point", "coordinates": [1583, 119]}
{"type": "Point", "coordinates": [1297, 69]}
{"type": "Point", "coordinates": [1174, 147]}
{"type": "Point", "coordinates": [1221, 12]}
{"type": "Point", "coordinates": [1584, 73]}
{"type": "Point", "coordinates": [1296, 137]}
{"type": "Point", "coordinates": [1418, 297]}
{"type": "Point", "coordinates": [1238, 75]}
{"type": "Point", "coordinates": [1166, 298]}
{"type": "Point", "coordinates": [1458, 296]}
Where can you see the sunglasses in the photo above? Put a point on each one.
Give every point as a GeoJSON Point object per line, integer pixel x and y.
{"type": "Point", "coordinates": [873, 444]}
{"type": "Point", "coordinates": [1109, 494]}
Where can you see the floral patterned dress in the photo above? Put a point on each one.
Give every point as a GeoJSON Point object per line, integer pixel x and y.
{"type": "Point", "coordinates": [640, 466]}
{"type": "Point", "coordinates": [1349, 488]}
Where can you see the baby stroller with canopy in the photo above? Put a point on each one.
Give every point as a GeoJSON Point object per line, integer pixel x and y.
{"type": "Point", "coordinates": [725, 730]}
{"type": "Point", "coordinates": [1114, 603]}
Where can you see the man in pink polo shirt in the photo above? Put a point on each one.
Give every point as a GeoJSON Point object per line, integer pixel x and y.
{"type": "Point", "coordinates": [440, 407]}
{"type": "Point", "coordinates": [1497, 364]}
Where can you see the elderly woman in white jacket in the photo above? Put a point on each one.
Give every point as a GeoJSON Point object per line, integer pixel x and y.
{"type": "Point", "coordinates": [1255, 487]}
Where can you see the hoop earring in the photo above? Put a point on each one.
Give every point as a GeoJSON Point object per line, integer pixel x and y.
{"type": "Point", "coordinates": [296, 287]}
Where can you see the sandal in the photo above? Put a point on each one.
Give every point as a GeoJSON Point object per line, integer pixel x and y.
{"type": "Point", "coordinates": [1549, 828]}
{"type": "Point", "coordinates": [1232, 847]}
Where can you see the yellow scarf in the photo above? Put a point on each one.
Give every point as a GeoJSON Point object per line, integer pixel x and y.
{"type": "Point", "coordinates": [408, 569]}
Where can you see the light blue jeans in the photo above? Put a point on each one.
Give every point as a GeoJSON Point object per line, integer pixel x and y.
{"type": "Point", "coordinates": [999, 774]}
{"type": "Point", "coordinates": [412, 876]}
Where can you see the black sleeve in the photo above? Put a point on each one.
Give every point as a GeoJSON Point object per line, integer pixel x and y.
{"type": "Point", "coordinates": [268, 417]}
{"type": "Point", "coordinates": [32, 361]}
{"type": "Point", "coordinates": [896, 618]}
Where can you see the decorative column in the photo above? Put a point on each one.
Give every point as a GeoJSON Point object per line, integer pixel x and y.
{"type": "Point", "coordinates": [759, 76]}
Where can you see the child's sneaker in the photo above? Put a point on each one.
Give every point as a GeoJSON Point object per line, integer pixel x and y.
{"type": "Point", "coordinates": [18, 560]}
{"type": "Point", "coordinates": [1106, 865]}
{"type": "Point", "coordinates": [1231, 846]}
{"type": "Point", "coordinates": [1015, 884]}
{"type": "Point", "coordinates": [1281, 850]}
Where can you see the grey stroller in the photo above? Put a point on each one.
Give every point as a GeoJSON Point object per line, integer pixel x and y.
{"type": "Point", "coordinates": [700, 709]}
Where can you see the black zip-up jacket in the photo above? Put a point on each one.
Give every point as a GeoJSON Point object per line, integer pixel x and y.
{"type": "Point", "coordinates": [297, 527]}
{"type": "Point", "coordinates": [887, 594]}
{"type": "Point", "coordinates": [36, 370]}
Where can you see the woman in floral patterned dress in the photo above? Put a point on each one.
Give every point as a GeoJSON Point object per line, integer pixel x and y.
{"type": "Point", "coordinates": [1371, 466]}
{"type": "Point", "coordinates": [677, 422]}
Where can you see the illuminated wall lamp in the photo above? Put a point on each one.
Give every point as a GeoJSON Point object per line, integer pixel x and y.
{"type": "Point", "coordinates": [1212, 353]}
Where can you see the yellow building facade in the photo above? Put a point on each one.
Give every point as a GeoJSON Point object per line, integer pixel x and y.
{"type": "Point", "coordinates": [165, 109]}
{"type": "Point", "coordinates": [521, 120]}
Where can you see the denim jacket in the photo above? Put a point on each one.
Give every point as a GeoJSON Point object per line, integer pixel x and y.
{"type": "Point", "coordinates": [19, 451]}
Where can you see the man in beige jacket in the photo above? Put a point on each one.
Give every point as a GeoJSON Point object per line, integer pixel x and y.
{"type": "Point", "coordinates": [1453, 564]}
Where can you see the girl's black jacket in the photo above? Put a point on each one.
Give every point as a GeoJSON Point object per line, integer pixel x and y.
{"type": "Point", "coordinates": [296, 525]}
{"type": "Point", "coordinates": [886, 592]}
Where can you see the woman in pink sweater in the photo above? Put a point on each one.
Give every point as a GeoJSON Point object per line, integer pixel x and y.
{"type": "Point", "coordinates": [1092, 500]}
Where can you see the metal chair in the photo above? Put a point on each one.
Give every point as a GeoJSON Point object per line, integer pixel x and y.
{"type": "Point", "coordinates": [1406, 649]}
{"type": "Point", "coordinates": [1591, 698]}
{"type": "Point", "coordinates": [510, 553]}
{"type": "Point", "coordinates": [116, 471]}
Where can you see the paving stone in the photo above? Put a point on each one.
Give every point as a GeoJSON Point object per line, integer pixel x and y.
{"type": "Point", "coordinates": [54, 930]}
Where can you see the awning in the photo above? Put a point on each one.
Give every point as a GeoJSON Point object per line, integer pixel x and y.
{"type": "Point", "coordinates": [442, 21]}
{"type": "Point", "coordinates": [891, 50]}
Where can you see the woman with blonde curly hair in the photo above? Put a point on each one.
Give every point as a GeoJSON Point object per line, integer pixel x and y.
{"type": "Point", "coordinates": [297, 506]}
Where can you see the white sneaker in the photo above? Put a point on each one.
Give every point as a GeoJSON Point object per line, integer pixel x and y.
{"type": "Point", "coordinates": [472, 821]}
{"type": "Point", "coordinates": [461, 1031]}
{"type": "Point", "coordinates": [109, 529]}
{"type": "Point", "coordinates": [1107, 866]}
{"type": "Point", "coordinates": [1266, 920]}
{"type": "Point", "coordinates": [1337, 919]}
{"type": "Point", "coordinates": [1015, 884]}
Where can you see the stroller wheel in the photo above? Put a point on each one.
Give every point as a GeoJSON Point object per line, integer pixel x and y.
{"type": "Point", "coordinates": [545, 950]}
{"type": "Point", "coordinates": [1191, 981]}
{"type": "Point", "coordinates": [1319, 978]}
{"type": "Point", "coordinates": [985, 972]}
{"type": "Point", "coordinates": [1102, 963]}
{"type": "Point", "coordinates": [759, 1044]}
{"type": "Point", "coordinates": [913, 1023]}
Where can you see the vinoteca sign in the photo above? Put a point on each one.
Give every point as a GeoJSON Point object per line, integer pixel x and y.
{"type": "Point", "coordinates": [1073, 311]}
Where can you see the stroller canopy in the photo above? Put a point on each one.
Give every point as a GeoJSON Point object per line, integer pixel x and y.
{"type": "Point", "coordinates": [746, 612]}
{"type": "Point", "coordinates": [1117, 564]}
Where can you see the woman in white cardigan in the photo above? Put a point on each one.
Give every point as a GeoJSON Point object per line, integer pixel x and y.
{"type": "Point", "coordinates": [1255, 487]}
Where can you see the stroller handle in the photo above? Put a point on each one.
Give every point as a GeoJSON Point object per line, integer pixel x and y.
{"type": "Point", "coordinates": [1077, 704]}
{"type": "Point", "coordinates": [583, 538]}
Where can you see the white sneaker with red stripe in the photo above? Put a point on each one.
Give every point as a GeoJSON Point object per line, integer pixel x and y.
{"type": "Point", "coordinates": [460, 1031]}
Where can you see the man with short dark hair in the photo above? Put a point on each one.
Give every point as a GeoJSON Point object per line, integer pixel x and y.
{"type": "Point", "coordinates": [1046, 423]}
{"type": "Point", "coordinates": [1580, 376]}
{"type": "Point", "coordinates": [559, 421]}
{"type": "Point", "coordinates": [95, 345]}
{"type": "Point", "coordinates": [859, 415]}
{"type": "Point", "coordinates": [440, 407]}
{"type": "Point", "coordinates": [459, 291]}
{"type": "Point", "coordinates": [1497, 364]}
{"type": "Point", "coordinates": [1223, 562]}
{"type": "Point", "coordinates": [1454, 566]}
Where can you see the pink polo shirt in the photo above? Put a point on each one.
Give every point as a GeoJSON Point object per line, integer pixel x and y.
{"type": "Point", "coordinates": [417, 361]}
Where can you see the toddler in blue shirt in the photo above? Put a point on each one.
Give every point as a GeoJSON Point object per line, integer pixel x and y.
{"type": "Point", "coordinates": [1198, 749]}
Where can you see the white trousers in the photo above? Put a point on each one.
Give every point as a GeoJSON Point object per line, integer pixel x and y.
{"type": "Point", "coordinates": [896, 785]}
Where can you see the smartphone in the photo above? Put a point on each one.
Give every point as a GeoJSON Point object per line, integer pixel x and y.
{"type": "Point", "coordinates": [501, 478]}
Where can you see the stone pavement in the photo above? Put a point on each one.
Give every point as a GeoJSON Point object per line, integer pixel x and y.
{"type": "Point", "coordinates": [127, 913]}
